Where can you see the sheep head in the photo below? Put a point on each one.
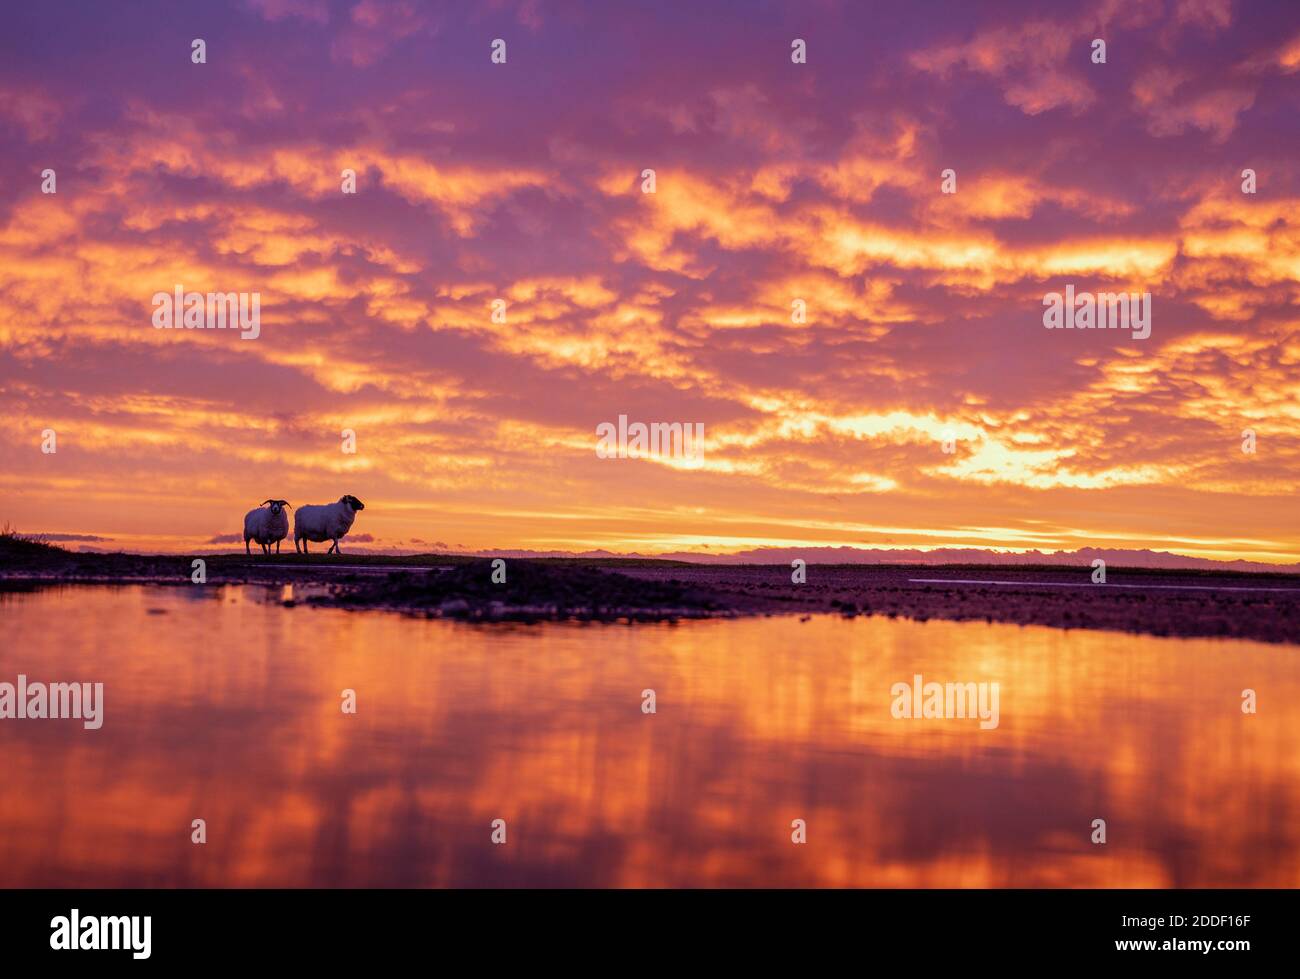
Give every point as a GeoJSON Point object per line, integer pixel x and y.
{"type": "Point", "coordinates": [353, 502]}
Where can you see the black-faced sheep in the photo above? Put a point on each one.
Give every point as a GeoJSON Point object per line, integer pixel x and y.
{"type": "Point", "coordinates": [267, 525]}
{"type": "Point", "coordinates": [328, 521]}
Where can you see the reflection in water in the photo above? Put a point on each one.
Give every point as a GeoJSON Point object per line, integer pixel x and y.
{"type": "Point", "coordinates": [222, 704]}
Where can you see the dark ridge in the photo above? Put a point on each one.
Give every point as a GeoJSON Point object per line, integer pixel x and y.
{"type": "Point", "coordinates": [532, 590]}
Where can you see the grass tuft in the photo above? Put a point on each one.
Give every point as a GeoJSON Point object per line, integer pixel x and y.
{"type": "Point", "coordinates": [14, 543]}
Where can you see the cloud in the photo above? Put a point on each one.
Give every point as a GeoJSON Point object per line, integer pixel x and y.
{"type": "Point", "coordinates": [1211, 15]}
{"type": "Point", "coordinates": [1163, 95]}
{"type": "Point", "coordinates": [1029, 62]}
{"type": "Point", "coordinates": [375, 27]}
{"type": "Point", "coordinates": [69, 537]}
{"type": "Point", "coordinates": [311, 11]}
{"type": "Point", "coordinates": [774, 184]}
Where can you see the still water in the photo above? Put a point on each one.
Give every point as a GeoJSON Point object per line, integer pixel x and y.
{"type": "Point", "coordinates": [222, 704]}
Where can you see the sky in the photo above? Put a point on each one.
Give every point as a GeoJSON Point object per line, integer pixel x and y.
{"type": "Point", "coordinates": [917, 402]}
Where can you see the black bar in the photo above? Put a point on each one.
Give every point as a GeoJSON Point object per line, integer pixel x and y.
{"type": "Point", "coordinates": [217, 928]}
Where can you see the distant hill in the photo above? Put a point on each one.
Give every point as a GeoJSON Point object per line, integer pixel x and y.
{"type": "Point", "coordinates": [952, 555]}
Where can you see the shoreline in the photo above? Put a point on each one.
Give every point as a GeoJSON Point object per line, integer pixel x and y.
{"type": "Point", "coordinates": [1208, 604]}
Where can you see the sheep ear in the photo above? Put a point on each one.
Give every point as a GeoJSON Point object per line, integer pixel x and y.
{"type": "Point", "coordinates": [265, 502]}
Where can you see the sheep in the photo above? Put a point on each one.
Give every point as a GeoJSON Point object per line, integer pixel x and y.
{"type": "Point", "coordinates": [267, 527]}
{"type": "Point", "coordinates": [328, 521]}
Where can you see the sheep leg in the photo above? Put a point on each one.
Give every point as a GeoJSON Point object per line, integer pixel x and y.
{"type": "Point", "coordinates": [246, 548]}
{"type": "Point", "coordinates": [277, 547]}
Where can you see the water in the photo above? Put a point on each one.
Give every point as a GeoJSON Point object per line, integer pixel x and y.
{"type": "Point", "coordinates": [223, 705]}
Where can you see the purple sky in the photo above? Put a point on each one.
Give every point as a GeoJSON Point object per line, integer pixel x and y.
{"type": "Point", "coordinates": [774, 182]}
